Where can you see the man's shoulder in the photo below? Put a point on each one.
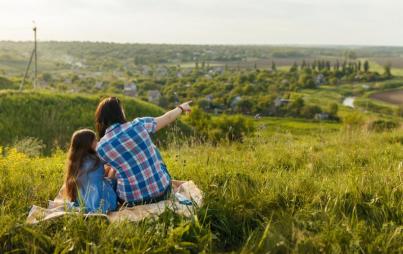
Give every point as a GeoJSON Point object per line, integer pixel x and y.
{"type": "Point", "coordinates": [136, 121]}
{"type": "Point", "coordinates": [102, 143]}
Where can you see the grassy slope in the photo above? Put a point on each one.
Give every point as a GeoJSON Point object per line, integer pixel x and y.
{"type": "Point", "coordinates": [54, 117]}
{"type": "Point", "coordinates": [298, 186]}
{"type": "Point", "coordinates": [280, 191]}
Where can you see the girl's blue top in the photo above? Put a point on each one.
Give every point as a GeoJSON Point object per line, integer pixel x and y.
{"type": "Point", "coordinates": [96, 193]}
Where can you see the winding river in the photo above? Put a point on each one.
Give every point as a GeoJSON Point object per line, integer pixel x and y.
{"type": "Point", "coordinates": [349, 102]}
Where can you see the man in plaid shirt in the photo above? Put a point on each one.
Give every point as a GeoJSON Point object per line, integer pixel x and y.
{"type": "Point", "coordinates": [141, 174]}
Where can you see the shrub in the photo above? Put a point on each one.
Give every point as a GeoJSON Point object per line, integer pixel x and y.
{"type": "Point", "coordinates": [32, 147]}
{"type": "Point", "coordinates": [354, 120]}
{"type": "Point", "coordinates": [215, 129]}
{"type": "Point", "coordinates": [7, 84]}
{"type": "Point", "coordinates": [309, 111]}
{"type": "Point", "coordinates": [231, 128]}
{"type": "Point", "coordinates": [399, 111]}
{"type": "Point", "coordinates": [382, 125]}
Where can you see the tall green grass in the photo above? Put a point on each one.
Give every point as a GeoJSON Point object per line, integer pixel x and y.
{"type": "Point", "coordinates": [53, 117]}
{"type": "Point", "coordinates": [333, 192]}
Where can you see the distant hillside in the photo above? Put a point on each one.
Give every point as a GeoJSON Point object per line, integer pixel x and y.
{"type": "Point", "coordinates": [7, 84]}
{"type": "Point", "coordinates": [104, 56]}
{"type": "Point", "coordinates": [54, 117]}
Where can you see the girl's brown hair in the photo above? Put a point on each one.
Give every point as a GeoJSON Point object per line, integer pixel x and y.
{"type": "Point", "coordinates": [80, 148]}
{"type": "Point", "coordinates": [109, 112]}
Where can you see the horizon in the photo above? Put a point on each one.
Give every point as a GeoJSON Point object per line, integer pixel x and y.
{"type": "Point", "coordinates": [208, 22]}
{"type": "Point", "coordinates": [295, 45]}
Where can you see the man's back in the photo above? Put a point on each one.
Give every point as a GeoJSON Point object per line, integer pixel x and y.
{"type": "Point", "coordinates": [128, 148]}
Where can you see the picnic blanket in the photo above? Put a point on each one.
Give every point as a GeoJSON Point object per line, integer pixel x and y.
{"type": "Point", "coordinates": [59, 207]}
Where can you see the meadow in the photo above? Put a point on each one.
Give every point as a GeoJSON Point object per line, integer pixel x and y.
{"type": "Point", "coordinates": [324, 189]}
{"type": "Point", "coordinates": [292, 185]}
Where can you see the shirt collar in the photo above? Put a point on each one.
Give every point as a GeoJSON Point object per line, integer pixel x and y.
{"type": "Point", "coordinates": [112, 127]}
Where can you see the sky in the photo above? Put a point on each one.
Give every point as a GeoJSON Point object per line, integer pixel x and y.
{"type": "Point", "coordinates": [308, 22]}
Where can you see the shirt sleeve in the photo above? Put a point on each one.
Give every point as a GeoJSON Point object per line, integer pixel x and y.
{"type": "Point", "coordinates": [149, 123]}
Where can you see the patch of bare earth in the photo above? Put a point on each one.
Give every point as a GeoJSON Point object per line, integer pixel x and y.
{"type": "Point", "coordinates": [393, 97]}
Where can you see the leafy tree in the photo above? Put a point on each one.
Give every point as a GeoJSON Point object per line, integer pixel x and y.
{"type": "Point", "coordinates": [336, 66]}
{"type": "Point", "coordinates": [309, 111]}
{"type": "Point", "coordinates": [306, 80]}
{"type": "Point", "coordinates": [245, 106]}
{"type": "Point", "coordinates": [47, 77]}
{"type": "Point", "coordinates": [204, 104]}
{"type": "Point", "coordinates": [265, 103]}
{"type": "Point", "coordinates": [273, 66]}
{"type": "Point", "coordinates": [303, 65]}
{"type": "Point", "coordinates": [366, 66]}
{"type": "Point", "coordinates": [294, 67]}
{"type": "Point", "coordinates": [350, 55]}
{"type": "Point", "coordinates": [333, 109]}
{"type": "Point", "coordinates": [387, 71]}
{"type": "Point", "coordinates": [296, 106]}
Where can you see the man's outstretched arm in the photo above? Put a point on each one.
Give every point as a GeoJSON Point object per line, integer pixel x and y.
{"type": "Point", "coordinates": [171, 116]}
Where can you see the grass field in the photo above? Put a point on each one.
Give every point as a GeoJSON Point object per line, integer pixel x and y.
{"type": "Point", "coordinates": [295, 187]}
{"type": "Point", "coordinates": [396, 62]}
{"type": "Point", "coordinates": [377, 64]}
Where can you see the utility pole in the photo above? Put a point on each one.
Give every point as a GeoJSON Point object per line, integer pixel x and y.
{"type": "Point", "coordinates": [34, 53]}
{"type": "Point", "coordinates": [36, 59]}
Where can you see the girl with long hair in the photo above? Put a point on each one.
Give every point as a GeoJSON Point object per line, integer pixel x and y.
{"type": "Point", "coordinates": [85, 184]}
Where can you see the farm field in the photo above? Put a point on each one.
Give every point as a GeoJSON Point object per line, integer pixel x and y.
{"type": "Point", "coordinates": [395, 63]}
{"type": "Point", "coordinates": [393, 97]}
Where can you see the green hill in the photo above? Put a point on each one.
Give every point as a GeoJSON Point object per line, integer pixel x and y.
{"type": "Point", "coordinates": [53, 117]}
{"type": "Point", "coordinates": [7, 84]}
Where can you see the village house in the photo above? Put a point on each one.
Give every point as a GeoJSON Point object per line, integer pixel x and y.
{"type": "Point", "coordinates": [145, 70]}
{"type": "Point", "coordinates": [161, 71]}
{"type": "Point", "coordinates": [117, 73]}
{"type": "Point", "coordinates": [216, 70]}
{"type": "Point", "coordinates": [154, 96]}
{"type": "Point", "coordinates": [209, 97]}
{"type": "Point", "coordinates": [130, 89]}
{"type": "Point", "coordinates": [278, 102]}
{"type": "Point", "coordinates": [321, 116]}
{"type": "Point", "coordinates": [235, 101]}
{"type": "Point", "coordinates": [208, 76]}
{"type": "Point", "coordinates": [99, 85]}
{"type": "Point", "coordinates": [320, 80]}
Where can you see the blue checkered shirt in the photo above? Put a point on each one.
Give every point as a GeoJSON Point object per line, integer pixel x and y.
{"type": "Point", "coordinates": [141, 174]}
